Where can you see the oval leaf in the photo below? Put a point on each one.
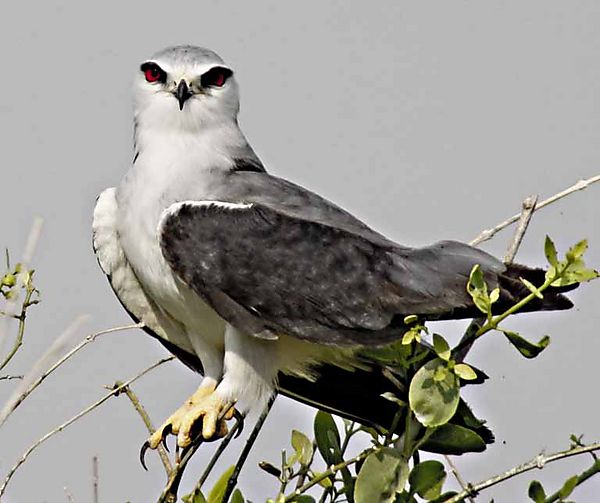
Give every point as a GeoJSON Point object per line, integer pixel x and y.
{"type": "Point", "coordinates": [303, 447]}
{"type": "Point", "coordinates": [453, 439]}
{"type": "Point", "coordinates": [381, 475]}
{"type": "Point", "coordinates": [526, 348]}
{"type": "Point", "coordinates": [433, 401]}
{"type": "Point", "coordinates": [536, 491]}
{"type": "Point", "coordinates": [464, 371]}
{"type": "Point", "coordinates": [237, 497]}
{"type": "Point", "coordinates": [327, 437]}
{"type": "Point", "coordinates": [441, 347]}
{"type": "Point", "coordinates": [427, 479]}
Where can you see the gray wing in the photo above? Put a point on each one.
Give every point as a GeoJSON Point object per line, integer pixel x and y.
{"type": "Point", "coordinates": [284, 260]}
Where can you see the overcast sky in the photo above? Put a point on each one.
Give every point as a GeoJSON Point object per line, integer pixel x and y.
{"type": "Point", "coordinates": [429, 120]}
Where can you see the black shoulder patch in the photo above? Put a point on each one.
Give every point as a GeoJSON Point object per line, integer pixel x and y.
{"type": "Point", "coordinates": [248, 165]}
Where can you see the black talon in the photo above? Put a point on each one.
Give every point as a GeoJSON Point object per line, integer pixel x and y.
{"type": "Point", "coordinates": [163, 441]}
{"type": "Point", "coordinates": [240, 419]}
{"type": "Point", "coordinates": [145, 447]}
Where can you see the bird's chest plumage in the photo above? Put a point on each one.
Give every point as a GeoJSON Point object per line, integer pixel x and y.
{"type": "Point", "coordinates": [142, 197]}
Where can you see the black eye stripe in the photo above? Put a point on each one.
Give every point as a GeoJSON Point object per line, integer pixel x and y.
{"type": "Point", "coordinates": [153, 67]}
{"type": "Point", "coordinates": [215, 77]}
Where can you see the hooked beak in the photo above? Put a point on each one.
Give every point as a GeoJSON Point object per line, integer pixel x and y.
{"type": "Point", "coordinates": [182, 93]}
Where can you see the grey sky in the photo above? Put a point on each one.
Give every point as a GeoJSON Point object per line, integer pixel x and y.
{"type": "Point", "coordinates": [428, 120]}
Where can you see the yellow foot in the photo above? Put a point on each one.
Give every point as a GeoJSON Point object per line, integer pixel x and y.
{"type": "Point", "coordinates": [204, 407]}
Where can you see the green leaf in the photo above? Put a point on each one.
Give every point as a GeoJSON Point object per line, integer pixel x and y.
{"type": "Point", "coordinates": [532, 288]}
{"type": "Point", "coordinates": [382, 474]}
{"type": "Point", "coordinates": [427, 479]}
{"type": "Point", "coordinates": [237, 497]}
{"type": "Point", "coordinates": [218, 491]}
{"type": "Point", "coordinates": [526, 348]}
{"type": "Point", "coordinates": [445, 497]}
{"type": "Point", "coordinates": [577, 250]}
{"type": "Point", "coordinates": [327, 437]}
{"type": "Point", "coordinates": [433, 402]}
{"type": "Point", "coordinates": [441, 347]}
{"type": "Point", "coordinates": [494, 295]}
{"type": "Point", "coordinates": [410, 319]}
{"type": "Point", "coordinates": [303, 447]}
{"type": "Point", "coordinates": [477, 289]}
{"type": "Point", "coordinates": [464, 371]}
{"type": "Point", "coordinates": [536, 491]}
{"type": "Point", "coordinates": [550, 251]}
{"type": "Point", "coordinates": [195, 497]}
{"type": "Point", "coordinates": [568, 487]}
{"type": "Point", "coordinates": [304, 498]}
{"type": "Point", "coordinates": [408, 337]}
{"type": "Point", "coordinates": [326, 482]}
{"type": "Point", "coordinates": [388, 395]}
{"type": "Point", "coordinates": [453, 439]}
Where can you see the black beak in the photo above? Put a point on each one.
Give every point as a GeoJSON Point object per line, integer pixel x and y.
{"type": "Point", "coordinates": [182, 93]}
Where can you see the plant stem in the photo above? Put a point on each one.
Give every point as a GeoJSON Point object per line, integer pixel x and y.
{"type": "Point", "coordinates": [537, 462]}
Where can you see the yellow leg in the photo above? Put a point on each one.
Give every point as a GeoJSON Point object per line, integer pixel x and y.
{"type": "Point", "coordinates": [204, 405]}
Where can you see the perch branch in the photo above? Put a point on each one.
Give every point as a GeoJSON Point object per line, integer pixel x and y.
{"type": "Point", "coordinates": [231, 483]}
{"type": "Point", "coordinates": [538, 462]}
{"type": "Point", "coordinates": [76, 417]}
{"type": "Point", "coordinates": [95, 479]}
{"type": "Point", "coordinates": [137, 405]}
{"type": "Point", "coordinates": [488, 234]}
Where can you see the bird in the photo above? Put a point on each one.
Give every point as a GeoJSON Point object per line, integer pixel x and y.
{"type": "Point", "coordinates": [255, 282]}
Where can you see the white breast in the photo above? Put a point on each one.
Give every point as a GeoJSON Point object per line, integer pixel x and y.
{"type": "Point", "coordinates": [144, 194]}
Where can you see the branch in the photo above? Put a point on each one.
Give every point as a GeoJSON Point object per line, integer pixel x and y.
{"type": "Point", "coordinates": [27, 302]}
{"type": "Point", "coordinates": [95, 479]}
{"type": "Point", "coordinates": [137, 405]}
{"type": "Point", "coordinates": [12, 404]}
{"type": "Point", "coordinates": [489, 233]}
{"type": "Point", "coordinates": [590, 472]}
{"type": "Point", "coordinates": [328, 473]}
{"type": "Point", "coordinates": [537, 462]}
{"type": "Point", "coordinates": [9, 377]}
{"type": "Point", "coordinates": [457, 475]}
{"type": "Point", "coordinates": [11, 308]}
{"type": "Point", "coordinates": [528, 207]}
{"type": "Point", "coordinates": [231, 483]}
{"type": "Point", "coordinates": [76, 417]}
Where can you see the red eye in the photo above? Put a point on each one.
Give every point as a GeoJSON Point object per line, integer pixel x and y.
{"type": "Point", "coordinates": [153, 72]}
{"type": "Point", "coordinates": [215, 77]}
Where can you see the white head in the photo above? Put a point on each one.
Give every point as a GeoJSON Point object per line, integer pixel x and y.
{"type": "Point", "coordinates": [186, 88]}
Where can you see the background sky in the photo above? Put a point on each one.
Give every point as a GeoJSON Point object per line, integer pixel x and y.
{"type": "Point", "coordinates": [429, 120]}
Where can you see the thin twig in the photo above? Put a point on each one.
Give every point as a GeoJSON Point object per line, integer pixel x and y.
{"type": "Point", "coordinates": [590, 472]}
{"type": "Point", "coordinates": [487, 234]}
{"type": "Point", "coordinates": [231, 483]}
{"type": "Point", "coordinates": [95, 479]}
{"type": "Point", "coordinates": [537, 462]}
{"type": "Point", "coordinates": [137, 405]}
{"type": "Point", "coordinates": [213, 460]}
{"type": "Point", "coordinates": [457, 475]}
{"type": "Point", "coordinates": [11, 307]}
{"type": "Point", "coordinates": [27, 302]}
{"type": "Point", "coordinates": [68, 494]}
{"type": "Point", "coordinates": [528, 207]}
{"type": "Point", "coordinates": [13, 404]}
{"type": "Point", "coordinates": [76, 417]}
{"type": "Point", "coordinates": [329, 472]}
{"type": "Point", "coordinates": [9, 377]}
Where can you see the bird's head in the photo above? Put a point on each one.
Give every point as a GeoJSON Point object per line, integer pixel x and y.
{"type": "Point", "coordinates": [185, 87]}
